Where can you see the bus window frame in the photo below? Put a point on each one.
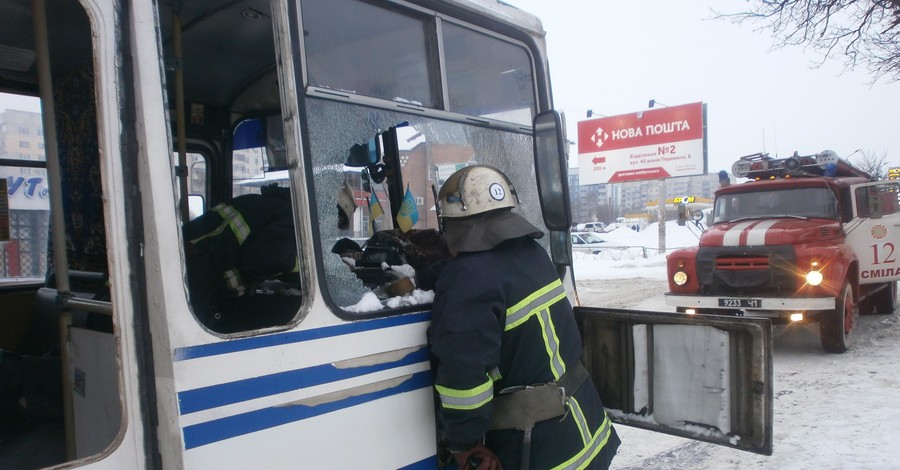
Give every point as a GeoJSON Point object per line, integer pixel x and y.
{"type": "Point", "coordinates": [435, 56]}
{"type": "Point", "coordinates": [523, 38]}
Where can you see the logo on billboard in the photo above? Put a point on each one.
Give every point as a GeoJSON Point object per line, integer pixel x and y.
{"type": "Point", "coordinates": [600, 136]}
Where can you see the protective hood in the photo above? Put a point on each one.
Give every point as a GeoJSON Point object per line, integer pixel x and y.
{"type": "Point", "coordinates": [485, 231]}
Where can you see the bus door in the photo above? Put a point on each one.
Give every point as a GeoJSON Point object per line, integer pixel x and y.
{"type": "Point", "coordinates": [701, 377]}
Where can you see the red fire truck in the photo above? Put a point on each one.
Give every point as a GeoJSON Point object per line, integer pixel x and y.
{"type": "Point", "coordinates": [806, 239]}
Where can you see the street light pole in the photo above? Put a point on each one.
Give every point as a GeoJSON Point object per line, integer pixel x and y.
{"type": "Point", "coordinates": [661, 201]}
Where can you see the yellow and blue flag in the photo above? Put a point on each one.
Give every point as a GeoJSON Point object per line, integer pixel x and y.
{"type": "Point", "coordinates": [375, 210]}
{"type": "Point", "coordinates": [408, 215]}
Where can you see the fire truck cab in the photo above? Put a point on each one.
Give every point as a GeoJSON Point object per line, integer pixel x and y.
{"type": "Point", "coordinates": [806, 239]}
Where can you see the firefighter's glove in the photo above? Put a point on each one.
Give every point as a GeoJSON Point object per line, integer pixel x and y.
{"type": "Point", "coordinates": [426, 278]}
{"type": "Point", "coordinates": [478, 457]}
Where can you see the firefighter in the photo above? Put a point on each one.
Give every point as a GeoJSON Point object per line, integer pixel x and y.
{"type": "Point", "coordinates": [512, 390]}
{"type": "Point", "coordinates": [233, 247]}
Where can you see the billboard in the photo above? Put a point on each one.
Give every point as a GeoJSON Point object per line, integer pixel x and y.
{"type": "Point", "coordinates": [653, 144]}
{"type": "Point", "coordinates": [26, 188]}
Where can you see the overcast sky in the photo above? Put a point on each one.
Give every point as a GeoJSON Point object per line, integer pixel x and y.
{"type": "Point", "coordinates": [613, 56]}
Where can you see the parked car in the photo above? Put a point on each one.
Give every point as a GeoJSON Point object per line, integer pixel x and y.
{"type": "Point", "coordinates": [588, 242]}
{"type": "Point", "coordinates": [591, 227]}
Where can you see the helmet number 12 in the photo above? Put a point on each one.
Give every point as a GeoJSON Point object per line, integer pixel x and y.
{"type": "Point", "coordinates": [497, 191]}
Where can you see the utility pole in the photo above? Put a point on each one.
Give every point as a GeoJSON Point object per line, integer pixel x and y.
{"type": "Point", "coordinates": [661, 215]}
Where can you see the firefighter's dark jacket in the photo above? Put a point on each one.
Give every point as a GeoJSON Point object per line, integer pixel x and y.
{"type": "Point", "coordinates": [243, 242]}
{"type": "Point", "coordinates": [501, 319]}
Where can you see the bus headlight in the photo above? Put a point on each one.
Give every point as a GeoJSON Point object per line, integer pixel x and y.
{"type": "Point", "coordinates": [814, 278]}
{"type": "Point", "coordinates": [680, 278]}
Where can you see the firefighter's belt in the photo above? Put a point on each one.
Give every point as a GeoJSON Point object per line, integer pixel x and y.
{"type": "Point", "coordinates": [523, 407]}
{"type": "Point", "coordinates": [571, 381]}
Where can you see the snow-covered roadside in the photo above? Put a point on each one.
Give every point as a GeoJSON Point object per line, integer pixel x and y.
{"type": "Point", "coordinates": [831, 411]}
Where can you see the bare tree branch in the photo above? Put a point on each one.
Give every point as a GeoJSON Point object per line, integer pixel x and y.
{"type": "Point", "coordinates": [864, 32]}
{"type": "Point", "coordinates": [873, 163]}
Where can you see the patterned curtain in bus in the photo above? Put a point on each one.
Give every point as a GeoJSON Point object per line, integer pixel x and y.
{"type": "Point", "coordinates": [76, 121]}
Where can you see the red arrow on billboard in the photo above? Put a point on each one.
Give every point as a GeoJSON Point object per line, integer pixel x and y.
{"type": "Point", "coordinates": [597, 160]}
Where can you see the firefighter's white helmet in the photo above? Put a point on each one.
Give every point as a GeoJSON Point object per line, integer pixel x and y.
{"type": "Point", "coordinates": [475, 190]}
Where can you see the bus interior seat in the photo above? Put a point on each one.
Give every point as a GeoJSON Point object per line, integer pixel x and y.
{"type": "Point", "coordinates": [31, 402]}
{"type": "Point", "coordinates": [31, 399]}
{"type": "Point", "coordinates": [43, 333]}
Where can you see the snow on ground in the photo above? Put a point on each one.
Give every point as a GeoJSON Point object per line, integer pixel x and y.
{"type": "Point", "coordinates": [634, 254]}
{"type": "Point", "coordinates": [830, 411]}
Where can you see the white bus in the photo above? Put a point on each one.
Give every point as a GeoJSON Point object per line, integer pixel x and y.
{"type": "Point", "coordinates": [147, 105]}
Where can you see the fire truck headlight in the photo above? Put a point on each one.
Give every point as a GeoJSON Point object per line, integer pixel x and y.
{"type": "Point", "coordinates": [680, 278]}
{"type": "Point", "coordinates": [814, 278]}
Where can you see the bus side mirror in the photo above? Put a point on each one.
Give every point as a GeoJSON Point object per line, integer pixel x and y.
{"type": "Point", "coordinates": [551, 161]}
{"type": "Point", "coordinates": [682, 214]}
{"type": "Point", "coordinates": [363, 155]}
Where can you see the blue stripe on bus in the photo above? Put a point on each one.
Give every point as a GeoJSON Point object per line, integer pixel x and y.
{"type": "Point", "coordinates": [213, 396]}
{"type": "Point", "coordinates": [425, 464]}
{"type": "Point", "coordinates": [265, 341]}
{"type": "Point", "coordinates": [201, 434]}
